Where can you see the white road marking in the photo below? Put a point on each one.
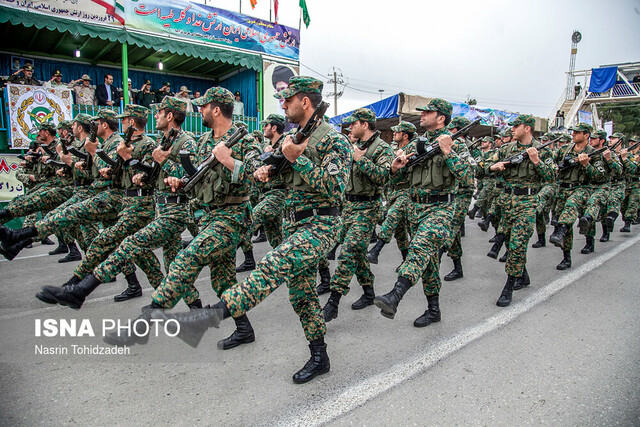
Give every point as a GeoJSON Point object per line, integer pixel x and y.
{"type": "Point", "coordinates": [364, 391]}
{"type": "Point", "coordinates": [25, 257]}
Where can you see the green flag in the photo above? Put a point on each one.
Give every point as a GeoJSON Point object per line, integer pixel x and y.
{"type": "Point", "coordinates": [305, 13]}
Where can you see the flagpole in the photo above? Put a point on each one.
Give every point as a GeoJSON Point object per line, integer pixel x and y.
{"type": "Point", "coordinates": [300, 21]}
{"type": "Point", "coordinates": [270, 8]}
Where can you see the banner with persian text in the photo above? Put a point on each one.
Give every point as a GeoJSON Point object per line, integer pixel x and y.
{"type": "Point", "coordinates": [10, 187]}
{"type": "Point", "coordinates": [201, 23]}
{"type": "Point", "coordinates": [29, 106]}
{"type": "Point", "coordinates": [86, 11]}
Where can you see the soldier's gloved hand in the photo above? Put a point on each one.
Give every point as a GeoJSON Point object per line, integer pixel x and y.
{"type": "Point", "coordinates": [583, 159]}
{"type": "Point", "coordinates": [174, 183]}
{"type": "Point", "coordinates": [262, 173]}
{"type": "Point", "coordinates": [533, 155]}
{"type": "Point", "coordinates": [291, 150]}
{"type": "Point", "coordinates": [105, 172]}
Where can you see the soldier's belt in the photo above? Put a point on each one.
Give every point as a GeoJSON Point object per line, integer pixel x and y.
{"type": "Point", "coordinates": [81, 183]}
{"type": "Point", "coordinates": [295, 216]}
{"type": "Point", "coordinates": [567, 186]}
{"type": "Point", "coordinates": [166, 200]}
{"type": "Point", "coordinates": [633, 179]}
{"type": "Point", "coordinates": [228, 202]}
{"type": "Point", "coordinates": [356, 198]}
{"type": "Point", "coordinates": [521, 191]}
{"type": "Point", "coordinates": [139, 193]}
{"type": "Point", "coordinates": [444, 198]}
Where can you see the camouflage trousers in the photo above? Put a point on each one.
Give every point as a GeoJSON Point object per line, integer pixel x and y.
{"type": "Point", "coordinates": [396, 222]}
{"type": "Point", "coordinates": [454, 244]}
{"type": "Point", "coordinates": [497, 203]}
{"type": "Point", "coordinates": [255, 195]}
{"type": "Point", "coordinates": [431, 224]}
{"type": "Point", "coordinates": [615, 197]}
{"type": "Point", "coordinates": [293, 263]}
{"type": "Point", "coordinates": [359, 221]}
{"type": "Point", "coordinates": [164, 231]}
{"type": "Point", "coordinates": [546, 196]}
{"type": "Point", "coordinates": [42, 199]}
{"type": "Point", "coordinates": [485, 195]}
{"type": "Point", "coordinates": [570, 206]}
{"type": "Point", "coordinates": [103, 206]}
{"type": "Point", "coordinates": [136, 213]}
{"type": "Point", "coordinates": [631, 202]}
{"type": "Point", "coordinates": [215, 245]}
{"type": "Point", "coordinates": [518, 219]}
{"type": "Point", "coordinates": [83, 233]}
{"type": "Point", "coordinates": [268, 214]}
{"type": "Point", "coordinates": [596, 207]}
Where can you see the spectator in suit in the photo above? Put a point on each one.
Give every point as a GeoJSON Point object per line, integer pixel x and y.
{"type": "Point", "coordinates": [107, 93]}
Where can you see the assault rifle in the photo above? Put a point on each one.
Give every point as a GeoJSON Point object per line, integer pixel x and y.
{"type": "Point", "coordinates": [86, 157]}
{"type": "Point", "coordinates": [116, 165]}
{"type": "Point", "coordinates": [195, 175]}
{"type": "Point", "coordinates": [276, 159]}
{"type": "Point", "coordinates": [426, 151]}
{"type": "Point", "coordinates": [475, 144]}
{"type": "Point", "coordinates": [366, 144]}
{"type": "Point", "coordinates": [152, 171]}
{"type": "Point", "coordinates": [66, 143]}
{"type": "Point", "coordinates": [522, 156]}
{"type": "Point", "coordinates": [569, 162]}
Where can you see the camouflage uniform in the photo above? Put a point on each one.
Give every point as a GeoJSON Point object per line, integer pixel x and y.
{"type": "Point", "coordinates": [362, 206]}
{"type": "Point", "coordinates": [224, 198]}
{"type": "Point", "coordinates": [22, 79]}
{"type": "Point", "coordinates": [631, 203]}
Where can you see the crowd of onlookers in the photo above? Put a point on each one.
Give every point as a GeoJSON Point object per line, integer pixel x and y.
{"type": "Point", "coordinates": [85, 93]}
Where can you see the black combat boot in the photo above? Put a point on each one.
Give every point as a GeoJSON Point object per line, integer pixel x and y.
{"type": "Point", "coordinates": [50, 300]}
{"type": "Point", "coordinates": [456, 273]}
{"type": "Point", "coordinates": [61, 249]}
{"type": "Point", "coordinates": [566, 261]}
{"type": "Point", "coordinates": [605, 233]}
{"type": "Point", "coordinates": [242, 335]}
{"type": "Point", "coordinates": [611, 220]}
{"type": "Point", "coordinates": [14, 250]}
{"type": "Point", "coordinates": [47, 241]}
{"type": "Point", "coordinates": [195, 305]}
{"type": "Point", "coordinates": [522, 281]}
{"type": "Point", "coordinates": [262, 237]}
{"type": "Point", "coordinates": [388, 303]}
{"type": "Point", "coordinates": [493, 239]}
{"type": "Point", "coordinates": [462, 230]}
{"type": "Point", "coordinates": [503, 258]}
{"type": "Point", "coordinates": [248, 264]}
{"type": "Point", "coordinates": [5, 215]}
{"type": "Point", "coordinates": [366, 299]}
{"type": "Point", "coordinates": [325, 280]}
{"type": "Point", "coordinates": [73, 255]}
{"type": "Point", "coordinates": [554, 220]}
{"type": "Point", "coordinates": [480, 213]}
{"type": "Point", "coordinates": [72, 296]}
{"type": "Point", "coordinates": [485, 222]}
{"type": "Point", "coordinates": [507, 292]}
{"type": "Point", "coordinates": [10, 237]}
{"type": "Point", "coordinates": [431, 315]}
{"type": "Point", "coordinates": [331, 256]}
{"type": "Point", "coordinates": [557, 237]}
{"type": "Point", "coordinates": [589, 247]}
{"type": "Point", "coordinates": [541, 241]}
{"type": "Point", "coordinates": [404, 253]}
{"type": "Point", "coordinates": [495, 249]}
{"type": "Point", "coordinates": [584, 223]}
{"type": "Point", "coordinates": [318, 364]}
{"type": "Point", "coordinates": [194, 323]}
{"type": "Point", "coordinates": [134, 290]}
{"type": "Point", "coordinates": [374, 237]}
{"type": "Point", "coordinates": [330, 310]}
{"type": "Point", "coordinates": [140, 332]}
{"type": "Point", "coordinates": [627, 227]}
{"type": "Point", "coordinates": [374, 252]}
{"type": "Point", "coordinates": [472, 213]}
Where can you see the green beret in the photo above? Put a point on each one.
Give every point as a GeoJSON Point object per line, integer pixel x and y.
{"type": "Point", "coordinates": [404, 127]}
{"type": "Point", "coordinates": [106, 114]}
{"type": "Point", "coordinates": [582, 127]}
{"type": "Point", "coordinates": [65, 124]}
{"type": "Point", "coordinates": [458, 122]}
{"type": "Point", "coordinates": [524, 119]}
{"type": "Point", "coordinates": [47, 126]}
{"type": "Point", "coordinates": [83, 118]}
{"type": "Point", "coordinates": [273, 119]}
{"type": "Point", "coordinates": [132, 110]}
{"type": "Point", "coordinates": [364, 114]}
{"type": "Point", "coordinates": [173, 103]}
{"type": "Point", "coordinates": [218, 94]}
{"type": "Point", "coordinates": [297, 84]}
{"type": "Point", "coordinates": [437, 104]}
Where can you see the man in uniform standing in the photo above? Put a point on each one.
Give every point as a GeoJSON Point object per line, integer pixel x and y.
{"type": "Point", "coordinates": [26, 78]}
{"type": "Point", "coordinates": [362, 207]}
{"type": "Point", "coordinates": [55, 81]}
{"type": "Point", "coordinates": [85, 94]}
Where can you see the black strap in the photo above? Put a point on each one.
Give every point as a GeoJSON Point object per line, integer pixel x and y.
{"type": "Point", "coordinates": [164, 200]}
{"type": "Point", "coordinates": [295, 216]}
{"type": "Point", "coordinates": [356, 198]}
{"type": "Point", "coordinates": [139, 193]}
{"type": "Point", "coordinates": [444, 198]}
{"type": "Point", "coordinates": [521, 191]}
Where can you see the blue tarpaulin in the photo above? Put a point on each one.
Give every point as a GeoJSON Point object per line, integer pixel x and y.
{"type": "Point", "coordinates": [384, 109]}
{"type": "Point", "coordinates": [602, 79]}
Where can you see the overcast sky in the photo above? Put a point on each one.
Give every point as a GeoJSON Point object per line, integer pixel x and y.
{"type": "Point", "coordinates": [510, 55]}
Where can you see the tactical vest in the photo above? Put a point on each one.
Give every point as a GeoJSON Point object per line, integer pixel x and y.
{"type": "Point", "coordinates": [174, 155]}
{"type": "Point", "coordinates": [525, 169]}
{"type": "Point", "coordinates": [77, 177]}
{"type": "Point", "coordinates": [291, 177]}
{"type": "Point", "coordinates": [576, 174]}
{"type": "Point", "coordinates": [109, 148]}
{"type": "Point", "coordinates": [128, 173]}
{"type": "Point", "coordinates": [359, 183]}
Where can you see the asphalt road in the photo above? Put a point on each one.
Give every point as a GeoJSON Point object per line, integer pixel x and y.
{"type": "Point", "coordinates": [566, 352]}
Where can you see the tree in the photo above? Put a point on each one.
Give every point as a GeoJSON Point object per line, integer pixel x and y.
{"type": "Point", "coordinates": [625, 117]}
